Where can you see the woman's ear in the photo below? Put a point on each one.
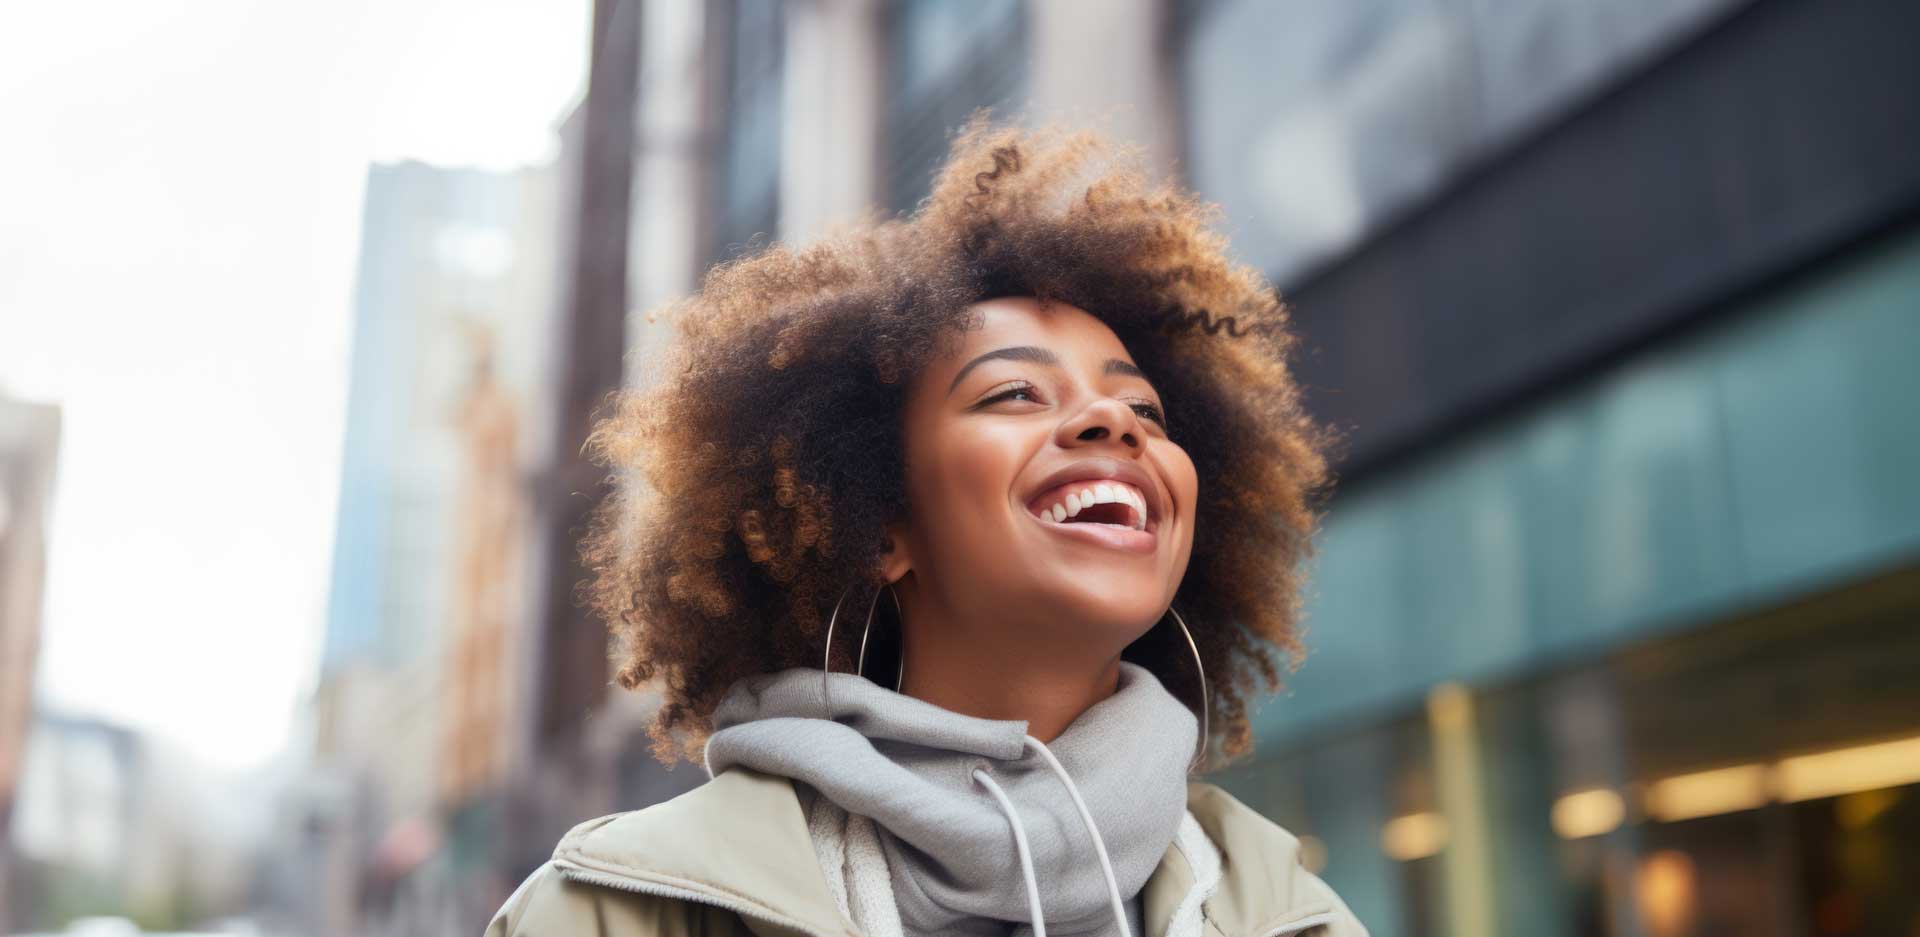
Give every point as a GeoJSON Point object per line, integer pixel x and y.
{"type": "Point", "coordinates": [895, 560]}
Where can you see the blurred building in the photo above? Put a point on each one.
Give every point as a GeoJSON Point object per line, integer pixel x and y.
{"type": "Point", "coordinates": [114, 822]}
{"type": "Point", "coordinates": [637, 169]}
{"type": "Point", "coordinates": [1613, 624]}
{"type": "Point", "coordinates": [89, 832]}
{"type": "Point", "coordinates": [29, 444]}
{"type": "Point", "coordinates": [420, 690]}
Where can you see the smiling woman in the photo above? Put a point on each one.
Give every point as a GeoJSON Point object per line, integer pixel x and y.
{"type": "Point", "coordinates": [1048, 413]}
{"type": "Point", "coordinates": [1053, 424]}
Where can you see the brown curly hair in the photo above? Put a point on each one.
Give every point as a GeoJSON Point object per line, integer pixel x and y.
{"type": "Point", "coordinates": [756, 469]}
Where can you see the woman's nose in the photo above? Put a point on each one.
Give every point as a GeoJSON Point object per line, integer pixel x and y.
{"type": "Point", "coordinates": [1107, 418]}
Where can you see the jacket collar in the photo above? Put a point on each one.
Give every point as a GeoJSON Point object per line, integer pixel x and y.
{"type": "Point", "coordinates": [740, 842]}
{"type": "Point", "coordinates": [1262, 891]}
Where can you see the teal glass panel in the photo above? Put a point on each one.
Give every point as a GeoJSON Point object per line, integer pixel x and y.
{"type": "Point", "coordinates": [1465, 558]}
{"type": "Point", "coordinates": [1355, 613]}
{"type": "Point", "coordinates": [1823, 402]}
{"type": "Point", "coordinates": [1774, 453]}
{"type": "Point", "coordinates": [1656, 539]}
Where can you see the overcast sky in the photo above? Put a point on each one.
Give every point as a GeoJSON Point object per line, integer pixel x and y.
{"type": "Point", "coordinates": [180, 186]}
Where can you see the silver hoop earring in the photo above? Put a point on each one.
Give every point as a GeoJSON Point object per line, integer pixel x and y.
{"type": "Point", "coordinates": [1206, 705]}
{"type": "Point", "coordinates": [860, 663]}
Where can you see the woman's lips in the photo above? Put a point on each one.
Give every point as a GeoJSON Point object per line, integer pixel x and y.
{"type": "Point", "coordinates": [1111, 536]}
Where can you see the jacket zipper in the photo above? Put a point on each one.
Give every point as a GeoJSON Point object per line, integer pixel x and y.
{"type": "Point", "coordinates": [1295, 927]}
{"type": "Point", "coordinates": [590, 877]}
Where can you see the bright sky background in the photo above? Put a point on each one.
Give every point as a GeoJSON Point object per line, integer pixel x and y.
{"type": "Point", "coordinates": [180, 185]}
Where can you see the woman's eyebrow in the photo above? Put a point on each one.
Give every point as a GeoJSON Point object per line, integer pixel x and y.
{"type": "Point", "coordinates": [1013, 353]}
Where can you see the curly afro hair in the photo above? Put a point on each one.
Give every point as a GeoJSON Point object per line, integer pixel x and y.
{"type": "Point", "coordinates": [756, 467]}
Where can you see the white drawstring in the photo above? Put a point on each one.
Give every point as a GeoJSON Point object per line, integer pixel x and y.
{"type": "Point", "coordinates": [1026, 857]}
{"type": "Point", "coordinates": [1086, 816]}
{"type": "Point", "coordinates": [1020, 846]}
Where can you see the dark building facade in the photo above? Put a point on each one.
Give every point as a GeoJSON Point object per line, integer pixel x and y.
{"type": "Point", "coordinates": [1613, 624]}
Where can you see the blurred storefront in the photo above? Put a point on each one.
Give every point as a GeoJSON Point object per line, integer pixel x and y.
{"type": "Point", "coordinates": [1685, 590]}
{"type": "Point", "coordinates": [1614, 623]}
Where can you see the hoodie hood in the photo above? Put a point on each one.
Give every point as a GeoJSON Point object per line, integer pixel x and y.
{"type": "Point", "coordinates": [966, 805]}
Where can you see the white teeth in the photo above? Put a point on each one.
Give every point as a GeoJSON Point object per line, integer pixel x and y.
{"type": "Point", "coordinates": [1108, 493]}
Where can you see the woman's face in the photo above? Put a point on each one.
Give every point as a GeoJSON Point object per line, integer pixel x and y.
{"type": "Point", "coordinates": [1043, 491]}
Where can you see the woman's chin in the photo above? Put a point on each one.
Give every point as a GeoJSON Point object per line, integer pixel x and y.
{"type": "Point", "coordinates": [1122, 617]}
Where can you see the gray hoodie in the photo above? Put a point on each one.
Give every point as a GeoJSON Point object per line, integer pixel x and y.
{"type": "Point", "coordinates": [953, 840]}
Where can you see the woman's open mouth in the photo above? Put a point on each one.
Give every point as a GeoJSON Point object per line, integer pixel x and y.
{"type": "Point", "coordinates": [1104, 512]}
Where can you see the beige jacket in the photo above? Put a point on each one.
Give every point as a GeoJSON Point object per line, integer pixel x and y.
{"type": "Point", "coordinates": [733, 857]}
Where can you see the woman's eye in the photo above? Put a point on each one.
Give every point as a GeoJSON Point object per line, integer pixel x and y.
{"type": "Point", "coordinates": [1009, 394]}
{"type": "Point", "coordinates": [1151, 412]}
{"type": "Point", "coordinates": [1026, 392]}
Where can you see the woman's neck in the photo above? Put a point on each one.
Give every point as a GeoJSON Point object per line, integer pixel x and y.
{"type": "Point", "coordinates": [977, 678]}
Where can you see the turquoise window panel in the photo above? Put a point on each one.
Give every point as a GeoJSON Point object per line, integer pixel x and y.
{"type": "Point", "coordinates": [1823, 403]}
{"type": "Point", "coordinates": [1773, 453]}
{"type": "Point", "coordinates": [1557, 454]}
{"type": "Point", "coordinates": [1654, 539]}
{"type": "Point", "coordinates": [1464, 552]}
{"type": "Point", "coordinates": [1355, 654]}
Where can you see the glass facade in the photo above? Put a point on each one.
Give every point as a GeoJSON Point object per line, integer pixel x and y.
{"type": "Point", "coordinates": [1315, 121]}
{"type": "Point", "coordinates": [1742, 464]}
{"type": "Point", "coordinates": [949, 58]}
{"type": "Point", "coordinates": [1670, 617]}
{"type": "Point", "coordinates": [749, 186]}
{"type": "Point", "coordinates": [1760, 776]}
